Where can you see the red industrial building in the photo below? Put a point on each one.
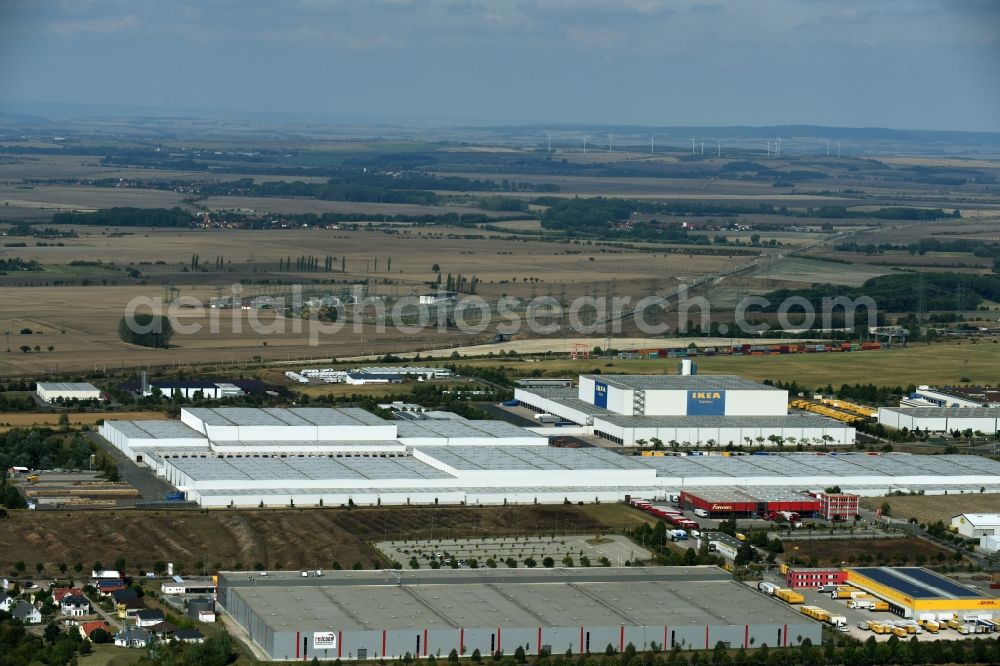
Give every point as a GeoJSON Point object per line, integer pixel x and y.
{"type": "Point", "coordinates": [746, 502]}
{"type": "Point", "coordinates": [838, 506]}
{"type": "Point", "coordinates": [814, 577]}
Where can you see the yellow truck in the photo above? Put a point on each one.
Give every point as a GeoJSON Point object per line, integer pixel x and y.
{"type": "Point", "coordinates": [789, 596]}
{"type": "Point", "coordinates": [900, 631]}
{"type": "Point", "coordinates": [879, 628]}
{"type": "Point", "coordinates": [932, 626]}
{"type": "Point", "coordinates": [843, 592]}
{"type": "Point", "coordinates": [880, 605]}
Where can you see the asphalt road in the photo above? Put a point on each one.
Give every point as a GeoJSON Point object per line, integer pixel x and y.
{"type": "Point", "coordinates": [151, 487]}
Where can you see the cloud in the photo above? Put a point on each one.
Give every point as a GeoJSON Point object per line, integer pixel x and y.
{"type": "Point", "coordinates": [107, 24]}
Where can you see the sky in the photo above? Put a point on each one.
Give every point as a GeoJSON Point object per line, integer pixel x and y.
{"type": "Point", "coordinates": [908, 64]}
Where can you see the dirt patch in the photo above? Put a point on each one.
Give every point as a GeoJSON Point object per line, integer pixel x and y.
{"type": "Point", "coordinates": [863, 551]}
{"type": "Point", "coordinates": [288, 538]}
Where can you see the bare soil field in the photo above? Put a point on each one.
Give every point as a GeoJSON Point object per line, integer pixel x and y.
{"type": "Point", "coordinates": [851, 550]}
{"type": "Point", "coordinates": [81, 322]}
{"type": "Point", "coordinates": [293, 206]}
{"type": "Point", "coordinates": [20, 419]}
{"type": "Point", "coordinates": [81, 198]}
{"type": "Point", "coordinates": [238, 539]}
{"type": "Point", "coordinates": [932, 508]}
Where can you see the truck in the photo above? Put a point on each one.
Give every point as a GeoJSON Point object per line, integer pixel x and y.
{"type": "Point", "coordinates": [767, 588]}
{"type": "Point", "coordinates": [789, 596]}
{"type": "Point", "coordinates": [838, 621]}
{"type": "Point", "coordinates": [547, 418]}
{"type": "Point", "coordinates": [861, 604]}
{"type": "Point", "coordinates": [879, 605]}
{"type": "Point", "coordinates": [678, 535]}
{"type": "Point", "coordinates": [174, 496]}
{"type": "Point", "coordinates": [701, 513]}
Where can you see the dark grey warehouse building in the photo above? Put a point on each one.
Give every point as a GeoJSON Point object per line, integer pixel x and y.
{"type": "Point", "coordinates": [374, 614]}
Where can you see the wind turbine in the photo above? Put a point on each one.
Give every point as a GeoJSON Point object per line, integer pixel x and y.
{"type": "Point", "coordinates": [702, 147]}
{"type": "Point", "coordinates": [585, 144]}
{"type": "Point", "coordinates": [610, 139]}
{"type": "Point", "coordinates": [718, 146]}
{"type": "Point", "coordinates": [838, 149]}
{"type": "Point", "coordinates": [777, 150]}
{"type": "Point", "coordinates": [827, 147]}
{"type": "Point", "coordinates": [768, 141]}
{"type": "Point", "coordinates": [549, 137]}
{"type": "Point", "coordinates": [652, 145]}
{"type": "Point", "coordinates": [692, 145]}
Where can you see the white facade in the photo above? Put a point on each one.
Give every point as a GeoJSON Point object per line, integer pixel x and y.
{"type": "Point", "coordinates": [977, 525]}
{"type": "Point", "coordinates": [941, 419]}
{"type": "Point", "coordinates": [50, 392]}
{"type": "Point", "coordinates": [488, 462]}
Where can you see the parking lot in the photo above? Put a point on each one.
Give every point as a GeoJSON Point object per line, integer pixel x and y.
{"type": "Point", "coordinates": [616, 548]}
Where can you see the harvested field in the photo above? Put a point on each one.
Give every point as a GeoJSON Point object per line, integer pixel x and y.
{"type": "Point", "coordinates": [295, 206]}
{"type": "Point", "coordinates": [83, 198]}
{"type": "Point", "coordinates": [880, 550]}
{"type": "Point", "coordinates": [238, 539]}
{"type": "Point", "coordinates": [23, 420]}
{"type": "Point", "coordinates": [808, 271]}
{"type": "Point", "coordinates": [932, 508]}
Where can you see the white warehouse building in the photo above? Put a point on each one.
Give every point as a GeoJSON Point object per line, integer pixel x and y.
{"type": "Point", "coordinates": [330, 457]}
{"type": "Point", "coordinates": [690, 410]}
{"type": "Point", "coordinates": [53, 391]}
{"type": "Point", "coordinates": [941, 419]}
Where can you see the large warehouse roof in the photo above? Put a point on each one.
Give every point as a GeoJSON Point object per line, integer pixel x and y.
{"type": "Point", "coordinates": [827, 465]}
{"type": "Point", "coordinates": [296, 416]}
{"type": "Point", "coordinates": [681, 382]}
{"type": "Point", "coordinates": [531, 458]}
{"type": "Point", "coordinates": [376, 600]}
{"type": "Point", "coordinates": [292, 469]}
{"type": "Point", "coordinates": [65, 386]}
{"type": "Point", "coordinates": [156, 430]}
{"type": "Point", "coordinates": [462, 429]}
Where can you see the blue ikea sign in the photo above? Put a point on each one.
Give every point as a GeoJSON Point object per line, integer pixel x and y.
{"type": "Point", "coordinates": [601, 395]}
{"type": "Point", "coordinates": [706, 403]}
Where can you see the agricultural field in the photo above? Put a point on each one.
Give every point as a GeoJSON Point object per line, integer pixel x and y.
{"type": "Point", "coordinates": [932, 508]}
{"type": "Point", "coordinates": [27, 419]}
{"type": "Point", "coordinates": [286, 538]}
{"type": "Point", "coordinates": [757, 219]}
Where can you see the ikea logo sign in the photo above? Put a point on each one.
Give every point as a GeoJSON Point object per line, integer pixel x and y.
{"type": "Point", "coordinates": [600, 395]}
{"type": "Point", "coordinates": [706, 403]}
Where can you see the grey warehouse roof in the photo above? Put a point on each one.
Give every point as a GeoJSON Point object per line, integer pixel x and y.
{"type": "Point", "coordinates": [155, 429]}
{"type": "Point", "coordinates": [529, 458]}
{"type": "Point", "coordinates": [66, 386]}
{"type": "Point", "coordinates": [296, 416]}
{"type": "Point", "coordinates": [453, 428]}
{"type": "Point", "coordinates": [258, 469]}
{"type": "Point", "coordinates": [681, 382]}
{"type": "Point", "coordinates": [502, 597]}
{"type": "Point", "coordinates": [811, 464]}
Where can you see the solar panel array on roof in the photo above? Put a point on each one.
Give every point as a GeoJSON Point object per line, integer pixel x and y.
{"type": "Point", "coordinates": [889, 579]}
{"type": "Point", "coordinates": [937, 582]}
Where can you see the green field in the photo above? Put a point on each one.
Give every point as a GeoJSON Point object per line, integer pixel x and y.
{"type": "Point", "coordinates": [918, 364]}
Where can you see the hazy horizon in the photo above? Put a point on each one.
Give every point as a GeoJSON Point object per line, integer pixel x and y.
{"type": "Point", "coordinates": [909, 65]}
